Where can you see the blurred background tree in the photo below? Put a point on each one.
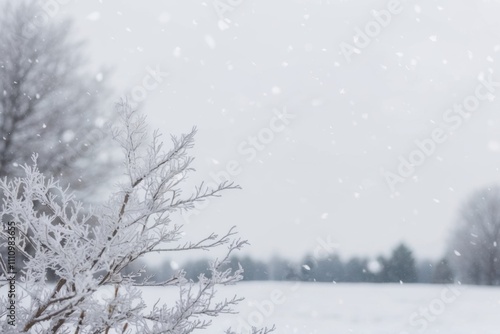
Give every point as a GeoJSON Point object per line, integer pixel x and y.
{"type": "Point", "coordinates": [400, 267]}
{"type": "Point", "coordinates": [443, 274]}
{"type": "Point", "coordinates": [474, 247]}
{"type": "Point", "coordinates": [51, 102]}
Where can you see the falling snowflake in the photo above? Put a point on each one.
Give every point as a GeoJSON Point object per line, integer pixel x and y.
{"type": "Point", "coordinates": [174, 265]}
{"type": "Point", "coordinates": [276, 90]}
{"type": "Point", "coordinates": [210, 41]}
{"type": "Point", "coordinates": [94, 16]}
{"type": "Point", "coordinates": [177, 52]}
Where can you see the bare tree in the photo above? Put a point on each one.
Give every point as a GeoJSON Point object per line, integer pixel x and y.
{"type": "Point", "coordinates": [49, 101]}
{"type": "Point", "coordinates": [475, 251]}
{"type": "Point", "coordinates": [88, 256]}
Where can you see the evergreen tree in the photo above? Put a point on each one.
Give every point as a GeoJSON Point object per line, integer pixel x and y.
{"type": "Point", "coordinates": [330, 269]}
{"type": "Point", "coordinates": [308, 269]}
{"type": "Point", "coordinates": [400, 267]}
{"type": "Point", "coordinates": [355, 270]}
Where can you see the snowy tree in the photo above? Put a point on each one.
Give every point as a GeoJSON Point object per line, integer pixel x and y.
{"type": "Point", "coordinates": [88, 248]}
{"type": "Point", "coordinates": [474, 246]}
{"type": "Point", "coordinates": [50, 103]}
{"type": "Point", "coordinates": [400, 267]}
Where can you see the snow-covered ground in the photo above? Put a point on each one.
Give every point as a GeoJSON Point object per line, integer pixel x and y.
{"type": "Point", "coordinates": [321, 308]}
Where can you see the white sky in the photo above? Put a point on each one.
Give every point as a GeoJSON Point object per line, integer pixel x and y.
{"type": "Point", "coordinates": [321, 176]}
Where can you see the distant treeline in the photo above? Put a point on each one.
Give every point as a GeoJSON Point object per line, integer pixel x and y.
{"type": "Point", "coordinates": [400, 267]}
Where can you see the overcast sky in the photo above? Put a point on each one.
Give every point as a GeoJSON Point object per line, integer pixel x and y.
{"type": "Point", "coordinates": [354, 108]}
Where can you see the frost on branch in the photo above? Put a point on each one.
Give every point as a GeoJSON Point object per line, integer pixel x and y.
{"type": "Point", "coordinates": [89, 248]}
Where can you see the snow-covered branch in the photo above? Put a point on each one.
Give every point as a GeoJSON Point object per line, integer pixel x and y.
{"type": "Point", "coordinates": [88, 248]}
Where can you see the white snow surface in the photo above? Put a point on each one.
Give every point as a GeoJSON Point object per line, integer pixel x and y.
{"type": "Point", "coordinates": [327, 308]}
